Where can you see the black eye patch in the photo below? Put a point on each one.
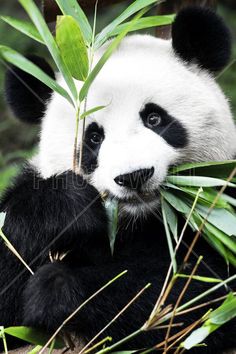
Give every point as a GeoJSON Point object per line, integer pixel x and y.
{"type": "Point", "coordinates": [93, 138]}
{"type": "Point", "coordinates": [160, 122]}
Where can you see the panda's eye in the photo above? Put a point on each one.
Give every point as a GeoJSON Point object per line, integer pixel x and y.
{"type": "Point", "coordinates": [96, 138]}
{"type": "Point", "coordinates": [153, 120]}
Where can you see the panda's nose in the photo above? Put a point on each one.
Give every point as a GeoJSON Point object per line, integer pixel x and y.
{"type": "Point", "coordinates": [136, 179]}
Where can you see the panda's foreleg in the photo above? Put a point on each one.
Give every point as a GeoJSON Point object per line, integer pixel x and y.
{"type": "Point", "coordinates": [57, 216]}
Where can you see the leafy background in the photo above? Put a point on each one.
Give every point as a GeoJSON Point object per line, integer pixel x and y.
{"type": "Point", "coordinates": [17, 140]}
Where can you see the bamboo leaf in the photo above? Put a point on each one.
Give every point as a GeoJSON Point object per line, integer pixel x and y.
{"type": "Point", "coordinates": [2, 219]}
{"type": "Point", "coordinates": [111, 206]}
{"type": "Point", "coordinates": [23, 26]}
{"type": "Point", "coordinates": [35, 350]}
{"type": "Point", "coordinates": [222, 237]}
{"type": "Point", "coordinates": [176, 202]}
{"type": "Point", "coordinates": [200, 278]}
{"type": "Point", "coordinates": [48, 39]}
{"type": "Point", "coordinates": [107, 54]}
{"type": "Point", "coordinates": [146, 22]}
{"type": "Point", "coordinates": [220, 218]}
{"type": "Point", "coordinates": [72, 8]}
{"type": "Point", "coordinates": [72, 46]}
{"type": "Point", "coordinates": [198, 181]}
{"type": "Point", "coordinates": [225, 312]}
{"type": "Point", "coordinates": [13, 57]}
{"type": "Point", "coordinates": [172, 220]}
{"type": "Point", "coordinates": [218, 317]}
{"type": "Point", "coordinates": [168, 236]}
{"type": "Point", "coordinates": [91, 111]}
{"type": "Point", "coordinates": [32, 336]}
{"type": "Point", "coordinates": [207, 197]}
{"type": "Point", "coordinates": [220, 169]}
{"type": "Point", "coordinates": [198, 336]}
{"type": "Point", "coordinates": [131, 10]}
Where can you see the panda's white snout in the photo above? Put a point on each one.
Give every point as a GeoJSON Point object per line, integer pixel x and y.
{"type": "Point", "coordinates": [136, 179]}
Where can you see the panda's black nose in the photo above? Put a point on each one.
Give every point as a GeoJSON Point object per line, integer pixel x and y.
{"type": "Point", "coordinates": [136, 179]}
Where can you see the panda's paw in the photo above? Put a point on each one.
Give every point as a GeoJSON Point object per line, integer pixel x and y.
{"type": "Point", "coordinates": [51, 295]}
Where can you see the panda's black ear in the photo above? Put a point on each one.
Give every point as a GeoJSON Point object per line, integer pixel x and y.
{"type": "Point", "coordinates": [27, 96]}
{"type": "Point", "coordinates": [200, 36]}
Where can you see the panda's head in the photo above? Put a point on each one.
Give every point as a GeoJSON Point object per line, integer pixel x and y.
{"type": "Point", "coordinates": [162, 107]}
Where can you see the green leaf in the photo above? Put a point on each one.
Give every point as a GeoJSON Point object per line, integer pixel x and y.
{"type": "Point", "coordinates": [24, 26]}
{"type": "Point", "coordinates": [2, 219]}
{"type": "Point", "coordinates": [198, 181]}
{"type": "Point", "coordinates": [125, 352]}
{"type": "Point", "coordinates": [111, 206]}
{"type": "Point", "coordinates": [199, 278]}
{"type": "Point", "coordinates": [220, 218]}
{"type": "Point", "coordinates": [107, 54]}
{"type": "Point", "coordinates": [164, 206]}
{"type": "Point", "coordinates": [72, 46]}
{"type": "Point", "coordinates": [224, 313]}
{"type": "Point", "coordinates": [222, 237]}
{"type": "Point", "coordinates": [72, 8]}
{"type": "Point", "coordinates": [146, 22]}
{"type": "Point", "coordinates": [218, 317]}
{"type": "Point", "coordinates": [131, 10]}
{"type": "Point", "coordinates": [32, 336]}
{"type": "Point", "coordinates": [35, 350]}
{"type": "Point", "coordinates": [229, 199]}
{"type": "Point", "coordinates": [48, 39]}
{"type": "Point", "coordinates": [176, 202]}
{"type": "Point", "coordinates": [198, 336]}
{"type": "Point", "coordinates": [219, 169]}
{"type": "Point", "coordinates": [172, 220]}
{"type": "Point", "coordinates": [91, 111]}
{"type": "Point", "coordinates": [26, 65]}
{"type": "Point", "coordinates": [207, 197]}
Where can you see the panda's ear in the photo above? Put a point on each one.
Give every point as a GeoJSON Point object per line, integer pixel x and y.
{"type": "Point", "coordinates": [200, 36]}
{"type": "Point", "coordinates": [27, 96]}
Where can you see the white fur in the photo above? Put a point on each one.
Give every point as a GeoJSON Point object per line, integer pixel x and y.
{"type": "Point", "coordinates": [143, 69]}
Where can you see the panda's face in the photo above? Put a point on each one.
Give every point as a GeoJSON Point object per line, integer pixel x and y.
{"type": "Point", "coordinates": [158, 112]}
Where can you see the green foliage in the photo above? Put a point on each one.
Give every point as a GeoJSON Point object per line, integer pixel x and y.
{"type": "Point", "coordinates": [12, 57]}
{"type": "Point", "coordinates": [24, 26]}
{"type": "Point", "coordinates": [72, 46]}
{"type": "Point", "coordinates": [32, 336]}
{"type": "Point", "coordinates": [216, 318]}
{"type": "Point", "coordinates": [181, 195]}
{"type": "Point", "coordinates": [72, 8]}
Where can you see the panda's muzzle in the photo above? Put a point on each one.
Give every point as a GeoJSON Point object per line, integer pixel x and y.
{"type": "Point", "coordinates": [136, 179]}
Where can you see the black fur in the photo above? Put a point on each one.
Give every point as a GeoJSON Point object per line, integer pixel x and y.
{"type": "Point", "coordinates": [169, 128]}
{"type": "Point", "coordinates": [26, 95]}
{"type": "Point", "coordinates": [34, 219]}
{"type": "Point", "coordinates": [200, 35]}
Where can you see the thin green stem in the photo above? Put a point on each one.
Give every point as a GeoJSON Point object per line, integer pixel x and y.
{"type": "Point", "coordinates": [76, 139]}
{"type": "Point", "coordinates": [122, 341]}
{"type": "Point", "coordinates": [52, 346]}
{"type": "Point", "coordinates": [104, 340]}
{"type": "Point", "coordinates": [197, 298]}
{"type": "Point", "coordinates": [14, 251]}
{"type": "Point", "coordinates": [116, 317]}
{"type": "Point", "coordinates": [2, 334]}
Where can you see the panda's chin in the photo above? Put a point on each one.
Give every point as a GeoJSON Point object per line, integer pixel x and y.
{"type": "Point", "coordinates": [140, 205]}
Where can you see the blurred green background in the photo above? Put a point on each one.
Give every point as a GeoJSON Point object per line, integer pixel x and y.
{"type": "Point", "coordinates": [17, 140]}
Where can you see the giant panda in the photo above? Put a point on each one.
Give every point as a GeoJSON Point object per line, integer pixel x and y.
{"type": "Point", "coordinates": [163, 107]}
